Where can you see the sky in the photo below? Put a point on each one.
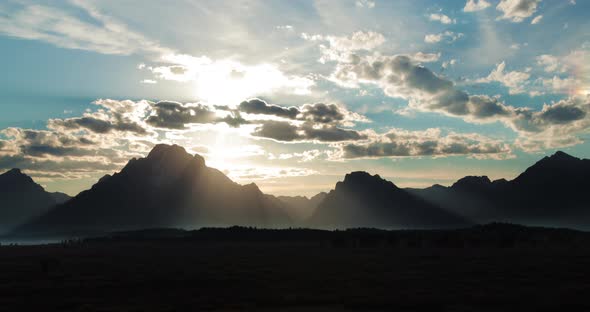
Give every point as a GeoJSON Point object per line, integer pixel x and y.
{"type": "Point", "coordinates": [292, 95]}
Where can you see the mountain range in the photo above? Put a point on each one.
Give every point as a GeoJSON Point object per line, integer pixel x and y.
{"type": "Point", "coordinates": [22, 199]}
{"type": "Point", "coordinates": [172, 188]}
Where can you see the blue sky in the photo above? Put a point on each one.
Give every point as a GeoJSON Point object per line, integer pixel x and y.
{"type": "Point", "coordinates": [421, 92]}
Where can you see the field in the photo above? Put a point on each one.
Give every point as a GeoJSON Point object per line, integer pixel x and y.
{"type": "Point", "coordinates": [170, 275]}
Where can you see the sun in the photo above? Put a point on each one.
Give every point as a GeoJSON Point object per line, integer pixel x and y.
{"type": "Point", "coordinates": [229, 83]}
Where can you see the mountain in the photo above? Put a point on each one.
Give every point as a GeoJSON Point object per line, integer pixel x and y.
{"type": "Point", "coordinates": [552, 192]}
{"type": "Point", "coordinates": [300, 207]}
{"type": "Point", "coordinates": [364, 200]}
{"type": "Point", "coordinates": [21, 199]}
{"type": "Point", "coordinates": [168, 188]}
{"type": "Point", "coordinates": [59, 197]}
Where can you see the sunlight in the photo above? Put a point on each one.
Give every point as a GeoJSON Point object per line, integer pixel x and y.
{"type": "Point", "coordinates": [228, 82]}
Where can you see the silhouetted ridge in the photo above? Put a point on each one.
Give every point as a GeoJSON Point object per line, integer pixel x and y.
{"type": "Point", "coordinates": [362, 179]}
{"type": "Point", "coordinates": [551, 192]}
{"type": "Point", "coordinates": [470, 182]}
{"type": "Point", "coordinates": [21, 199]}
{"type": "Point", "coordinates": [364, 200]}
{"type": "Point", "coordinates": [167, 188]}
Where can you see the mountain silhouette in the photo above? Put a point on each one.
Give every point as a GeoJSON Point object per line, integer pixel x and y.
{"type": "Point", "coordinates": [552, 192]}
{"type": "Point", "coordinates": [168, 188]}
{"type": "Point", "coordinates": [364, 200]}
{"type": "Point", "coordinates": [300, 207]}
{"type": "Point", "coordinates": [21, 199]}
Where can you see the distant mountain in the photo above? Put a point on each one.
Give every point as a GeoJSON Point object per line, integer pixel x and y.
{"type": "Point", "coordinates": [552, 192]}
{"type": "Point", "coordinates": [300, 207]}
{"type": "Point", "coordinates": [21, 199]}
{"type": "Point", "coordinates": [364, 200]}
{"type": "Point", "coordinates": [59, 197]}
{"type": "Point", "coordinates": [168, 188]}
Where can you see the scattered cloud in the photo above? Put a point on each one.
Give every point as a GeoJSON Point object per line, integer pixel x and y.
{"type": "Point", "coordinates": [476, 5]}
{"type": "Point", "coordinates": [537, 19]}
{"type": "Point", "coordinates": [515, 81]}
{"type": "Point", "coordinates": [430, 142]}
{"type": "Point", "coordinates": [365, 4]}
{"type": "Point", "coordinates": [448, 35]}
{"type": "Point", "coordinates": [439, 17]}
{"type": "Point", "coordinates": [517, 10]}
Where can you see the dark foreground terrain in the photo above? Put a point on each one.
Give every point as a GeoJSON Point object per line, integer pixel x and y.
{"type": "Point", "coordinates": [486, 268]}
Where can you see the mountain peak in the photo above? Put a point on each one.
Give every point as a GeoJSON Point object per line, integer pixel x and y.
{"type": "Point", "coordinates": [161, 150]}
{"type": "Point", "coordinates": [562, 156]}
{"type": "Point", "coordinates": [172, 153]}
{"type": "Point", "coordinates": [16, 173]}
{"type": "Point", "coordinates": [364, 179]}
{"type": "Point", "coordinates": [472, 181]}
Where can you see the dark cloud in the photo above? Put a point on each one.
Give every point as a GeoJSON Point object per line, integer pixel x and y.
{"type": "Point", "coordinates": [562, 114]}
{"type": "Point", "coordinates": [399, 143]}
{"type": "Point", "coordinates": [97, 125]}
{"type": "Point", "coordinates": [322, 113]}
{"type": "Point", "coordinates": [256, 106]}
{"type": "Point", "coordinates": [174, 115]}
{"type": "Point", "coordinates": [376, 149]}
{"type": "Point", "coordinates": [330, 134]}
{"type": "Point", "coordinates": [277, 130]}
{"type": "Point", "coordinates": [317, 112]}
{"type": "Point", "coordinates": [287, 132]}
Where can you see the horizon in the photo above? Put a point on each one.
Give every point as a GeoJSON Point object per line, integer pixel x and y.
{"type": "Point", "coordinates": [294, 101]}
{"type": "Point", "coordinates": [338, 179]}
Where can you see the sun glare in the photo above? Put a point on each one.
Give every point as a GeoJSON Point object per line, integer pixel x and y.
{"type": "Point", "coordinates": [228, 82]}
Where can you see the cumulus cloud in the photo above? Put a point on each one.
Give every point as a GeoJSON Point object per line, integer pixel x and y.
{"type": "Point", "coordinates": [174, 115]}
{"type": "Point", "coordinates": [316, 112]}
{"type": "Point", "coordinates": [308, 132]}
{"type": "Point", "coordinates": [517, 10]}
{"type": "Point", "coordinates": [448, 35]}
{"type": "Point", "coordinates": [442, 18]}
{"type": "Point", "coordinates": [399, 76]}
{"type": "Point", "coordinates": [515, 81]}
{"type": "Point", "coordinates": [257, 106]}
{"type": "Point", "coordinates": [340, 47]}
{"type": "Point", "coordinates": [430, 142]}
{"type": "Point", "coordinates": [475, 5]}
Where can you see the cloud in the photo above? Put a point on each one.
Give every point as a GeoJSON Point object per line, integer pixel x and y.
{"type": "Point", "coordinates": [475, 5]}
{"type": "Point", "coordinates": [257, 106]}
{"type": "Point", "coordinates": [365, 4]}
{"type": "Point", "coordinates": [214, 78]}
{"type": "Point", "coordinates": [430, 142]}
{"type": "Point", "coordinates": [517, 10]}
{"type": "Point", "coordinates": [449, 35]}
{"type": "Point", "coordinates": [340, 47]}
{"type": "Point", "coordinates": [562, 85]}
{"type": "Point", "coordinates": [317, 112]}
{"type": "Point", "coordinates": [426, 57]}
{"type": "Point", "coordinates": [537, 19]}
{"type": "Point", "coordinates": [514, 80]}
{"type": "Point", "coordinates": [307, 132]}
{"type": "Point", "coordinates": [174, 115]}
{"type": "Point", "coordinates": [442, 18]}
{"type": "Point", "coordinates": [64, 29]}
{"type": "Point", "coordinates": [449, 63]}
{"type": "Point", "coordinates": [399, 76]}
